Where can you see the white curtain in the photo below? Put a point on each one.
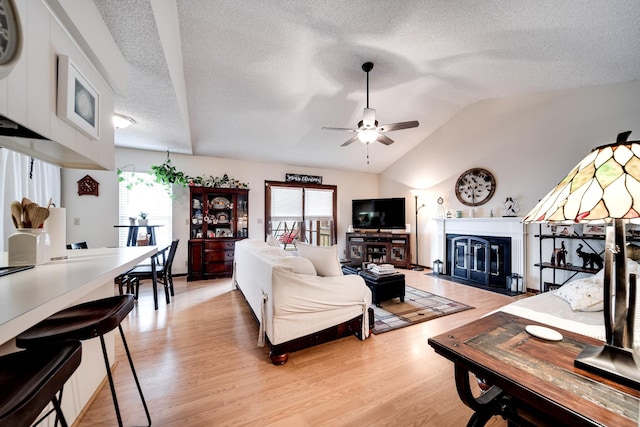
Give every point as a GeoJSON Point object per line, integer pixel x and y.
{"type": "Point", "coordinates": [39, 183]}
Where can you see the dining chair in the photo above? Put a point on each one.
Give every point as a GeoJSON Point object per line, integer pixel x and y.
{"type": "Point", "coordinates": [159, 271]}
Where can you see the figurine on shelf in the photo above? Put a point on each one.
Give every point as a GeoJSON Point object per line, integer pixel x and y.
{"type": "Point", "coordinates": [561, 255]}
{"type": "Point", "coordinates": [589, 259]}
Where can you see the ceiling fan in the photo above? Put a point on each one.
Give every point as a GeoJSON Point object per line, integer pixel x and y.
{"type": "Point", "coordinates": [368, 130]}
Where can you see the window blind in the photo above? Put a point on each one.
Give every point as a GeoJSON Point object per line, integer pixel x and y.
{"type": "Point", "coordinates": [286, 204]}
{"type": "Point", "coordinates": [149, 197]}
{"type": "Point", "coordinates": [318, 204]}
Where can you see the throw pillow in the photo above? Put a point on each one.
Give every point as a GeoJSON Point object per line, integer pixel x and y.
{"type": "Point", "coordinates": [272, 241]}
{"type": "Point", "coordinates": [324, 258]}
{"type": "Point", "coordinates": [583, 295]}
{"type": "Point", "coordinates": [298, 265]}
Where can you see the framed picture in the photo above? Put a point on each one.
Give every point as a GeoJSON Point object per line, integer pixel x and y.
{"type": "Point", "coordinates": [595, 230]}
{"type": "Point", "coordinates": [564, 230]}
{"type": "Point", "coordinates": [356, 252]}
{"type": "Point", "coordinates": [78, 101]}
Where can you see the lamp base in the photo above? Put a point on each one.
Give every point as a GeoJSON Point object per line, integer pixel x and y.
{"type": "Point", "coordinates": [611, 362]}
{"type": "Point", "coordinates": [417, 268]}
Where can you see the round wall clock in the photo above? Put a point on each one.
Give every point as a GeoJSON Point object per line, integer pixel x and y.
{"type": "Point", "coordinates": [10, 34]}
{"type": "Point", "coordinates": [475, 187]}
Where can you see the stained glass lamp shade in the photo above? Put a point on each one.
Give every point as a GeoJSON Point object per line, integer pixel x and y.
{"type": "Point", "coordinates": [605, 186]}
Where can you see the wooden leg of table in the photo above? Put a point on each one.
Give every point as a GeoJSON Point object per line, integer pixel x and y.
{"type": "Point", "coordinates": [485, 406]}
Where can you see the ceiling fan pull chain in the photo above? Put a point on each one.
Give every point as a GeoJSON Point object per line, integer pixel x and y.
{"type": "Point", "coordinates": [367, 153]}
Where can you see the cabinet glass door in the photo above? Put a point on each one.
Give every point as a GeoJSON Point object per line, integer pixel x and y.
{"type": "Point", "coordinates": [243, 215]}
{"type": "Point", "coordinates": [198, 206]}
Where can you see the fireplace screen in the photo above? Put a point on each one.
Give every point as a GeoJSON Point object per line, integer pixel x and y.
{"type": "Point", "coordinates": [480, 259]}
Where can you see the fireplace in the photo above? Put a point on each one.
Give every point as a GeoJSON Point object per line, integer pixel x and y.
{"type": "Point", "coordinates": [482, 251]}
{"type": "Point", "coordinates": [479, 259]}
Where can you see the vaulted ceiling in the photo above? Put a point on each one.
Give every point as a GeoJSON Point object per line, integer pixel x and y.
{"type": "Point", "coordinates": [257, 80]}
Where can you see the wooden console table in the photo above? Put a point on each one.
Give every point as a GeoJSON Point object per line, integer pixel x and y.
{"type": "Point", "coordinates": [379, 247]}
{"type": "Point", "coordinates": [533, 382]}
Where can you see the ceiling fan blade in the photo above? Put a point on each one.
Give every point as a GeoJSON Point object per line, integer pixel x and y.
{"type": "Point", "coordinates": [347, 129]}
{"type": "Point", "coordinates": [398, 126]}
{"type": "Point", "coordinates": [384, 139]}
{"type": "Point", "coordinates": [350, 141]}
{"type": "Point", "coordinates": [369, 117]}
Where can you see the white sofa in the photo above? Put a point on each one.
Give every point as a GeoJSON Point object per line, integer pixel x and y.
{"type": "Point", "coordinates": [296, 307]}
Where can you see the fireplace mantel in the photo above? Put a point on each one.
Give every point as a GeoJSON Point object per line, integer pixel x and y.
{"type": "Point", "coordinates": [493, 226]}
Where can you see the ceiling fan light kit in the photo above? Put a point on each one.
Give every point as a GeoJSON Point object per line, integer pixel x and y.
{"type": "Point", "coordinates": [368, 130]}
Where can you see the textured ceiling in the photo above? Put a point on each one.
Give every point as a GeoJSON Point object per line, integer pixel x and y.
{"type": "Point", "coordinates": [257, 80]}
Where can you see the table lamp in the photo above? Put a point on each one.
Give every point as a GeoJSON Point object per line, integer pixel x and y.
{"type": "Point", "coordinates": [605, 186]}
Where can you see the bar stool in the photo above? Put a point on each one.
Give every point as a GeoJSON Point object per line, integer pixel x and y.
{"type": "Point", "coordinates": [29, 380]}
{"type": "Point", "coordinates": [84, 321]}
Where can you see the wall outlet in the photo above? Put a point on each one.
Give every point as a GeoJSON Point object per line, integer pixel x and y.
{"type": "Point", "coordinates": [76, 221]}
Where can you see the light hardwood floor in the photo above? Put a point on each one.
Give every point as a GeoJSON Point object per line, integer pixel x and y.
{"type": "Point", "coordinates": [200, 365]}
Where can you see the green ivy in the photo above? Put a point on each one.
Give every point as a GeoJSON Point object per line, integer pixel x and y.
{"type": "Point", "coordinates": [167, 174]}
{"type": "Point", "coordinates": [131, 183]}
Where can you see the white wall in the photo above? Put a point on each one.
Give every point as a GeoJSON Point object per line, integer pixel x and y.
{"type": "Point", "coordinates": [98, 215]}
{"type": "Point", "coordinates": [529, 143]}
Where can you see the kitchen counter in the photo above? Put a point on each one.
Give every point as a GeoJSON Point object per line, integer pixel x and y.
{"type": "Point", "coordinates": [29, 296]}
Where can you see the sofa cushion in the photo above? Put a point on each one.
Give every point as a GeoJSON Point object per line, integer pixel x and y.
{"type": "Point", "coordinates": [298, 265]}
{"type": "Point", "coordinates": [324, 258]}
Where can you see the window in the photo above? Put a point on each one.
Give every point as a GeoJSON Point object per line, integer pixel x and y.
{"type": "Point", "coordinates": [301, 212]}
{"type": "Point", "coordinates": [147, 196]}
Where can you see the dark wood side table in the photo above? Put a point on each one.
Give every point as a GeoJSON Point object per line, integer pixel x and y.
{"type": "Point", "coordinates": [533, 382]}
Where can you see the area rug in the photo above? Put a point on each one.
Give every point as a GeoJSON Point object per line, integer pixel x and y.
{"type": "Point", "coordinates": [418, 306]}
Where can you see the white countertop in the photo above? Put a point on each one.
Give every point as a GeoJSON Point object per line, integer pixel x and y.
{"type": "Point", "coordinates": [29, 296]}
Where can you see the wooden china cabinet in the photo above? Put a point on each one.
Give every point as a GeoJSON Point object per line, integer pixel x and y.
{"type": "Point", "coordinates": [219, 217]}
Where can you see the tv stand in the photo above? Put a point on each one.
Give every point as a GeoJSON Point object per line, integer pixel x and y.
{"type": "Point", "coordinates": [379, 247]}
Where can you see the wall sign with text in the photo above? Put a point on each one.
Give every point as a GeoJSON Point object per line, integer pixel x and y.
{"type": "Point", "coordinates": [305, 179]}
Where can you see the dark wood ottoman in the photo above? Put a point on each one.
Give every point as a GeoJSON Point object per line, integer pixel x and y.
{"type": "Point", "coordinates": [383, 286]}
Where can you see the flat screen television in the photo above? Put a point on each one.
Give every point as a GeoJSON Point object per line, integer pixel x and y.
{"type": "Point", "coordinates": [378, 214]}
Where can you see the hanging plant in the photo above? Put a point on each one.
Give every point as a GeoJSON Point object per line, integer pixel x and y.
{"type": "Point", "coordinates": [167, 174]}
